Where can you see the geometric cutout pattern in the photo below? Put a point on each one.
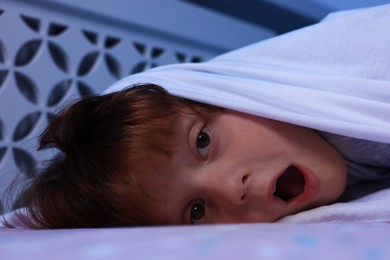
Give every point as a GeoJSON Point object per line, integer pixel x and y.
{"type": "Point", "coordinates": [25, 126]}
{"type": "Point", "coordinates": [26, 87]}
{"type": "Point", "coordinates": [49, 60]}
{"type": "Point", "coordinates": [149, 57]}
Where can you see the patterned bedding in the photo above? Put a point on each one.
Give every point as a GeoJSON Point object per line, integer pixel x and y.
{"type": "Point", "coordinates": [238, 241]}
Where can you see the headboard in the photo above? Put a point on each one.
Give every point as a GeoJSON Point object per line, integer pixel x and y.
{"type": "Point", "coordinates": [52, 52]}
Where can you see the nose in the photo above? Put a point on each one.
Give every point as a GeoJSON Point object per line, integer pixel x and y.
{"type": "Point", "coordinates": [228, 186]}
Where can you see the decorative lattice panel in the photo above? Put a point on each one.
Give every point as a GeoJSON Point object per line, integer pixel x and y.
{"type": "Point", "coordinates": [50, 56]}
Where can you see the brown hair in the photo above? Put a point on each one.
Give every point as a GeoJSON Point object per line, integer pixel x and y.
{"type": "Point", "coordinates": [104, 143]}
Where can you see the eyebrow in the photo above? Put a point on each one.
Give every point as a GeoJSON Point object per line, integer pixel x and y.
{"type": "Point", "coordinates": [191, 129]}
{"type": "Point", "coordinates": [192, 132]}
{"type": "Point", "coordinates": [184, 219]}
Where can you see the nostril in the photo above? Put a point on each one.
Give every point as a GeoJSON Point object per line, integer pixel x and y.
{"type": "Point", "coordinates": [244, 179]}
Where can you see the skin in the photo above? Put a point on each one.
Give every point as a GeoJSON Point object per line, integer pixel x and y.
{"type": "Point", "coordinates": [231, 179]}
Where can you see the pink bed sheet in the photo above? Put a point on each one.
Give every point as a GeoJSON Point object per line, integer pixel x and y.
{"type": "Point", "coordinates": [238, 241]}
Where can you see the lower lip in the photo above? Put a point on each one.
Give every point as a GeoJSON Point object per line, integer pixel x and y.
{"type": "Point", "coordinates": [312, 185]}
{"type": "Point", "coordinates": [311, 188]}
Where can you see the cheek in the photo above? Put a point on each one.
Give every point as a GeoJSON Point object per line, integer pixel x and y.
{"type": "Point", "coordinates": [331, 170]}
{"type": "Point", "coordinates": [268, 142]}
{"type": "Point", "coordinates": [254, 142]}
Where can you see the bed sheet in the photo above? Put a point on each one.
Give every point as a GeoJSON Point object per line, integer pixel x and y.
{"type": "Point", "coordinates": [235, 241]}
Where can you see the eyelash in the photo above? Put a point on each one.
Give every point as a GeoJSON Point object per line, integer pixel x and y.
{"type": "Point", "coordinates": [201, 147]}
{"type": "Point", "coordinates": [197, 210]}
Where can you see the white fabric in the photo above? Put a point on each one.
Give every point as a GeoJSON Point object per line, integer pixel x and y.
{"type": "Point", "coordinates": [373, 208]}
{"type": "Point", "coordinates": [333, 76]}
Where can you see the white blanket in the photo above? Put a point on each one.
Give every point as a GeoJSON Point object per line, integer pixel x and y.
{"type": "Point", "coordinates": [373, 208]}
{"type": "Point", "coordinates": [333, 76]}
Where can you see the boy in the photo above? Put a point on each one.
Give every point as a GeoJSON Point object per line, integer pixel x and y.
{"type": "Point", "coordinates": [291, 116]}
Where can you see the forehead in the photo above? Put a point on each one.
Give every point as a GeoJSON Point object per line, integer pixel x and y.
{"type": "Point", "coordinates": [164, 178]}
{"type": "Point", "coordinates": [164, 185]}
{"type": "Point", "coordinates": [163, 168]}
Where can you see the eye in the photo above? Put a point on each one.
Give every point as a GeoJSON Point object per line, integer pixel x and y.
{"type": "Point", "coordinates": [197, 213]}
{"type": "Point", "coordinates": [203, 141]}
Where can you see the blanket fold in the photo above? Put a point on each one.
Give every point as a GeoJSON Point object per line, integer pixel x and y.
{"type": "Point", "coordinates": [333, 76]}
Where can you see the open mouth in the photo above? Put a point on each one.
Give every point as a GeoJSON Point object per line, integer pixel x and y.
{"type": "Point", "coordinates": [290, 184]}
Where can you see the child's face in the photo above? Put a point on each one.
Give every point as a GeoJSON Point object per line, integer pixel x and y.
{"type": "Point", "coordinates": [227, 170]}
